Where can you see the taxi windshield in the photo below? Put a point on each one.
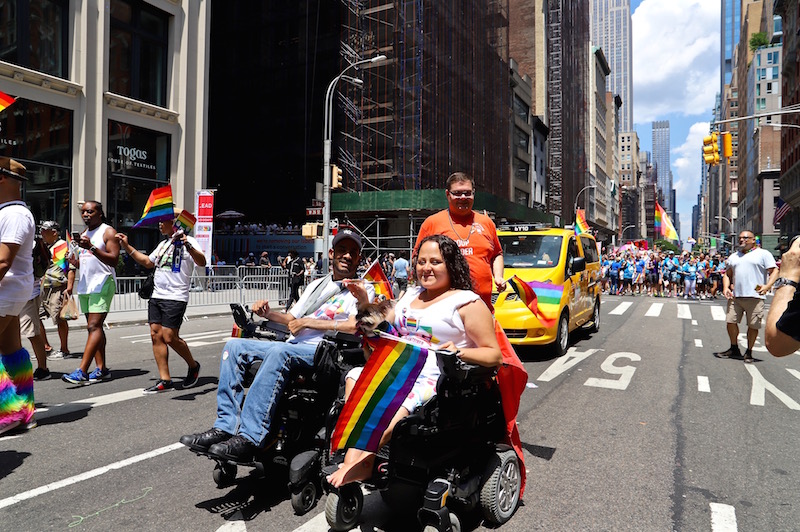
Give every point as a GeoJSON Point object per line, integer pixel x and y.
{"type": "Point", "coordinates": [531, 251]}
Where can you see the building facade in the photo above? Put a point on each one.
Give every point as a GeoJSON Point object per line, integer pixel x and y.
{"type": "Point", "coordinates": [611, 30]}
{"type": "Point", "coordinates": [790, 136]}
{"type": "Point", "coordinates": [661, 158]}
{"type": "Point", "coordinates": [595, 200]}
{"type": "Point", "coordinates": [111, 103]}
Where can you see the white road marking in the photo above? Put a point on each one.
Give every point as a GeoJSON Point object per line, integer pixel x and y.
{"type": "Point", "coordinates": [192, 336]}
{"type": "Point", "coordinates": [698, 342]}
{"type": "Point", "coordinates": [794, 372]}
{"type": "Point", "coordinates": [317, 523]}
{"type": "Point", "coordinates": [135, 336]}
{"type": "Point", "coordinates": [683, 312]}
{"type": "Point", "coordinates": [694, 322]}
{"type": "Point", "coordinates": [236, 523]}
{"type": "Point", "coordinates": [85, 404]}
{"type": "Point", "coordinates": [723, 518]}
{"type": "Point", "coordinates": [655, 310]}
{"type": "Point", "coordinates": [200, 343]}
{"type": "Point", "coordinates": [702, 384]}
{"type": "Point", "coordinates": [563, 364]}
{"type": "Point", "coordinates": [761, 385]}
{"type": "Point", "coordinates": [621, 308]}
{"type": "Point", "coordinates": [718, 313]}
{"type": "Point", "coordinates": [14, 499]}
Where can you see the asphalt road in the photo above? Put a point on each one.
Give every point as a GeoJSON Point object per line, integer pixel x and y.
{"type": "Point", "coordinates": [638, 427]}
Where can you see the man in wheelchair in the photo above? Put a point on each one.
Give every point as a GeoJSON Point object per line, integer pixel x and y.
{"type": "Point", "coordinates": [244, 423]}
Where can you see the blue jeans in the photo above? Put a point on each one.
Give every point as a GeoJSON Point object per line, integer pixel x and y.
{"type": "Point", "coordinates": [251, 416]}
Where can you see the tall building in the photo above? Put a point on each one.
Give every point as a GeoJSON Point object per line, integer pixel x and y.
{"type": "Point", "coordinates": [611, 30]}
{"type": "Point", "coordinates": [527, 44]}
{"type": "Point", "coordinates": [661, 158]}
{"type": "Point", "coordinates": [112, 103]}
{"type": "Point", "coordinates": [730, 23]}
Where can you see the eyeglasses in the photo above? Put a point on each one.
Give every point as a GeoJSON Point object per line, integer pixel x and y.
{"type": "Point", "coordinates": [745, 238]}
{"type": "Point", "coordinates": [461, 193]}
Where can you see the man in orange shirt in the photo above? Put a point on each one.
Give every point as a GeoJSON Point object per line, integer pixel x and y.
{"type": "Point", "coordinates": [475, 234]}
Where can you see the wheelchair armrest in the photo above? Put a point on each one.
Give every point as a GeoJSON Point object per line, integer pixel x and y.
{"type": "Point", "coordinates": [342, 339]}
{"type": "Point", "coordinates": [452, 367]}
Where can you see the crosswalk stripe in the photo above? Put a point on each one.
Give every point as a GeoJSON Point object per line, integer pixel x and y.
{"type": "Point", "coordinates": [683, 312]}
{"type": "Point", "coordinates": [703, 384]}
{"type": "Point", "coordinates": [201, 343]}
{"type": "Point", "coordinates": [621, 308]}
{"type": "Point", "coordinates": [654, 310]}
{"type": "Point", "coordinates": [718, 313]}
{"type": "Point", "coordinates": [723, 518]}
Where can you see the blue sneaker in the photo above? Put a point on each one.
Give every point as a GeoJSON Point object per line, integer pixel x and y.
{"type": "Point", "coordinates": [100, 375]}
{"type": "Point", "coordinates": [76, 377]}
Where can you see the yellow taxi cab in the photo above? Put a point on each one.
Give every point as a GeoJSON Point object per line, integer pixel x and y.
{"type": "Point", "coordinates": [557, 257]}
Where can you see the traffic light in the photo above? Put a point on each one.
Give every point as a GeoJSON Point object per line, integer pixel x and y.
{"type": "Point", "coordinates": [711, 150]}
{"type": "Point", "coordinates": [727, 145]}
{"type": "Point", "coordinates": [336, 177]}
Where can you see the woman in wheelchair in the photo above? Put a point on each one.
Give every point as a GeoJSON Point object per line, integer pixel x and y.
{"type": "Point", "coordinates": [440, 312]}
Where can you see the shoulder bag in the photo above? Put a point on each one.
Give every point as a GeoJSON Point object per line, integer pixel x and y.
{"type": "Point", "coordinates": [149, 284]}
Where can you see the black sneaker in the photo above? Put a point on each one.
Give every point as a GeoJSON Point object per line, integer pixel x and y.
{"type": "Point", "coordinates": [732, 352]}
{"type": "Point", "coordinates": [192, 376]}
{"type": "Point", "coordinates": [748, 357]}
{"type": "Point", "coordinates": [41, 374]}
{"type": "Point", "coordinates": [160, 386]}
{"type": "Point", "coordinates": [203, 440]}
{"type": "Point", "coordinates": [236, 449]}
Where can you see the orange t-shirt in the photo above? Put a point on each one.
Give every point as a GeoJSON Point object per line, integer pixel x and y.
{"type": "Point", "coordinates": [479, 248]}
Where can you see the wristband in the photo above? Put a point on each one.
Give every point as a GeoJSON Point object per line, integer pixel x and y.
{"type": "Point", "coordinates": [93, 249]}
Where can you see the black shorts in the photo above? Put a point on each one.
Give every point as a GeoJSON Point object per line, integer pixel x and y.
{"type": "Point", "coordinates": [402, 283]}
{"type": "Point", "coordinates": [166, 312]}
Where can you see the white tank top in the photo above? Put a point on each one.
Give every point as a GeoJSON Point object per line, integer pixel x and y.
{"type": "Point", "coordinates": [436, 324]}
{"type": "Point", "coordinates": [94, 272]}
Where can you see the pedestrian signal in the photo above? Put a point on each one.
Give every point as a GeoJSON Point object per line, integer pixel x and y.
{"type": "Point", "coordinates": [711, 150]}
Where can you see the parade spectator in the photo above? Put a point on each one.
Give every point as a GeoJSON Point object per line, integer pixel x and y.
{"type": "Point", "coordinates": [264, 260]}
{"type": "Point", "coordinates": [17, 231]}
{"type": "Point", "coordinates": [475, 234]}
{"type": "Point", "coordinates": [250, 260]}
{"type": "Point", "coordinates": [244, 423]}
{"type": "Point", "coordinates": [401, 269]}
{"type": "Point", "coordinates": [783, 321]}
{"type": "Point", "coordinates": [294, 268]}
{"type": "Point", "coordinates": [750, 274]}
{"type": "Point", "coordinates": [57, 287]}
{"type": "Point", "coordinates": [167, 306]}
{"type": "Point", "coordinates": [97, 260]}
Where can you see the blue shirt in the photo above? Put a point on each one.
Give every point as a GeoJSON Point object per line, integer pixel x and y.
{"type": "Point", "coordinates": [401, 268]}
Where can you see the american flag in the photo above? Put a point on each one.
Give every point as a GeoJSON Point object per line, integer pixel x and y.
{"type": "Point", "coordinates": [781, 209]}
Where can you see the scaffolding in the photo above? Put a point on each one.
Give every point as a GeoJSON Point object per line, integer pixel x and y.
{"type": "Point", "coordinates": [439, 104]}
{"type": "Point", "coordinates": [555, 97]}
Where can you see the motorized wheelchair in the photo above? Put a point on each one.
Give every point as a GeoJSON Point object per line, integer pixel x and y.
{"type": "Point", "coordinates": [300, 418]}
{"type": "Point", "coordinates": [444, 460]}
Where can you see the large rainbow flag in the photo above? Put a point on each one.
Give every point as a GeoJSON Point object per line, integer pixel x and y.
{"type": "Point", "coordinates": [60, 256]}
{"type": "Point", "coordinates": [158, 207]}
{"type": "Point", "coordinates": [581, 226]}
{"type": "Point", "coordinates": [185, 221]}
{"type": "Point", "coordinates": [6, 101]}
{"type": "Point", "coordinates": [379, 392]}
{"type": "Point", "coordinates": [377, 277]}
{"type": "Point", "coordinates": [543, 299]}
{"type": "Point", "coordinates": [664, 225]}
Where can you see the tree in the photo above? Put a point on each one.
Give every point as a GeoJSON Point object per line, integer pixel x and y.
{"type": "Point", "coordinates": [665, 245]}
{"type": "Point", "coordinates": [757, 40]}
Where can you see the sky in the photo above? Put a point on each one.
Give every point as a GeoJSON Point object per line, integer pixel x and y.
{"type": "Point", "coordinates": [676, 69]}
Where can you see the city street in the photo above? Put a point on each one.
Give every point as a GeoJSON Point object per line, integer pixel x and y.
{"type": "Point", "coordinates": [639, 427]}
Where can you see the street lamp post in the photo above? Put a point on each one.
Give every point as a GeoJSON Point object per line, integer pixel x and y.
{"type": "Point", "coordinates": [327, 136]}
{"type": "Point", "coordinates": [730, 227]}
{"type": "Point", "coordinates": [578, 195]}
{"type": "Point", "coordinates": [622, 235]}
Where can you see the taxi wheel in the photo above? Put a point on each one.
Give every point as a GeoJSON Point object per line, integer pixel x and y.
{"type": "Point", "coordinates": [562, 335]}
{"type": "Point", "coordinates": [595, 317]}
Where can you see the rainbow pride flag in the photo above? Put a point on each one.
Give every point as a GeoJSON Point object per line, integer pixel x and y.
{"type": "Point", "coordinates": [60, 256]}
{"type": "Point", "coordinates": [6, 101]}
{"type": "Point", "coordinates": [158, 207]}
{"type": "Point", "coordinates": [543, 299]}
{"type": "Point", "coordinates": [377, 277]}
{"type": "Point", "coordinates": [185, 221]}
{"type": "Point", "coordinates": [379, 392]}
{"type": "Point", "coordinates": [664, 225]}
{"type": "Point", "coordinates": [581, 226]}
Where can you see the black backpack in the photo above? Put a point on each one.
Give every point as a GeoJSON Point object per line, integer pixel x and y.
{"type": "Point", "coordinates": [41, 258]}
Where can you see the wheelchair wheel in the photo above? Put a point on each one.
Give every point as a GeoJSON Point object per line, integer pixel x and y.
{"type": "Point", "coordinates": [224, 475]}
{"type": "Point", "coordinates": [305, 499]}
{"type": "Point", "coordinates": [455, 525]}
{"type": "Point", "coordinates": [500, 490]}
{"type": "Point", "coordinates": [343, 509]}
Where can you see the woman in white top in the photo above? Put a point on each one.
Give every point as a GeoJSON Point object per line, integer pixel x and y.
{"type": "Point", "coordinates": [441, 312]}
{"type": "Point", "coordinates": [166, 307]}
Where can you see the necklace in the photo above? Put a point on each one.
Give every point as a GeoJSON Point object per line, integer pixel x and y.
{"type": "Point", "coordinates": [461, 242]}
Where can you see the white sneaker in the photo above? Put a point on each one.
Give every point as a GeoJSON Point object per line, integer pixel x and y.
{"type": "Point", "coordinates": [56, 355]}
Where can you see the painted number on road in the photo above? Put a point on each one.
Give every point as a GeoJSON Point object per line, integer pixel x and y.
{"type": "Point", "coordinates": [625, 372]}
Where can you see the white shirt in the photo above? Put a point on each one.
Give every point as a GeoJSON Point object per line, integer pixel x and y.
{"type": "Point", "coordinates": [17, 227]}
{"type": "Point", "coordinates": [749, 270]}
{"type": "Point", "coordinates": [168, 284]}
{"type": "Point", "coordinates": [93, 271]}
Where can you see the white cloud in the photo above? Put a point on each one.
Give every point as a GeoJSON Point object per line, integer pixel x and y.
{"type": "Point", "coordinates": [675, 58]}
{"type": "Point", "coordinates": [687, 165]}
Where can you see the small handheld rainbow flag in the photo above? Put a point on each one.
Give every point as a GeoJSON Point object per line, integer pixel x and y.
{"type": "Point", "coordinates": [379, 392]}
{"type": "Point", "coordinates": [185, 221]}
{"type": "Point", "coordinates": [377, 277]}
{"type": "Point", "coordinates": [72, 246]}
{"type": "Point", "coordinates": [543, 299]}
{"type": "Point", "coordinates": [664, 225]}
{"type": "Point", "coordinates": [581, 226]}
{"type": "Point", "coordinates": [158, 207]}
{"type": "Point", "coordinates": [60, 256]}
{"type": "Point", "coordinates": [6, 101]}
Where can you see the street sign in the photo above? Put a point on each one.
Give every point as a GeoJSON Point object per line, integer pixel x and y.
{"type": "Point", "coordinates": [317, 203]}
{"type": "Point", "coordinates": [313, 211]}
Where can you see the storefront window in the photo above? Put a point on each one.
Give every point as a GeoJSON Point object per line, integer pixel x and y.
{"type": "Point", "coordinates": [138, 51]}
{"type": "Point", "coordinates": [138, 162]}
{"type": "Point", "coordinates": [33, 34]}
{"type": "Point", "coordinates": [40, 137]}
